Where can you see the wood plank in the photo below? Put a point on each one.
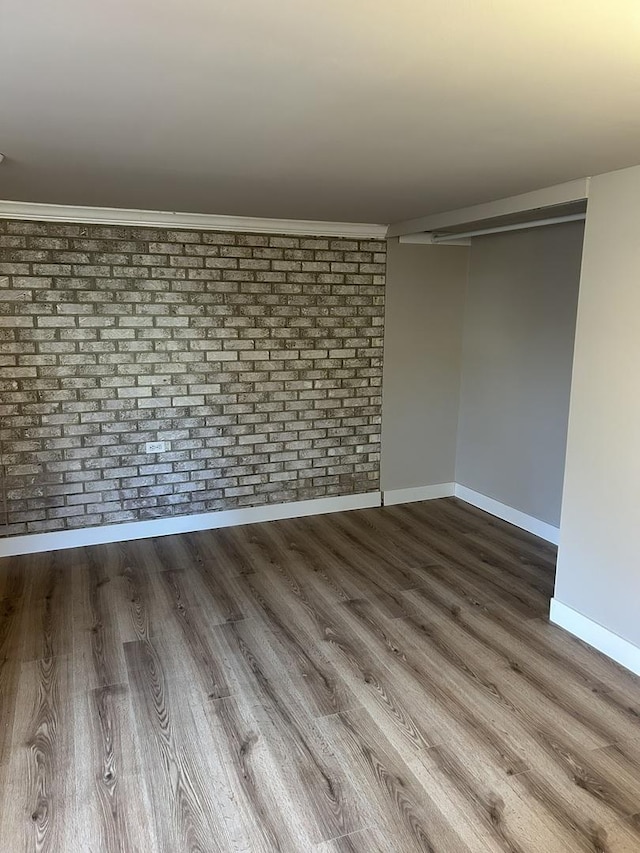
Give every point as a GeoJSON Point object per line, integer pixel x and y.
{"type": "Point", "coordinates": [539, 641]}
{"type": "Point", "coordinates": [588, 821]}
{"type": "Point", "coordinates": [440, 548]}
{"type": "Point", "coordinates": [190, 642]}
{"type": "Point", "coordinates": [619, 764]}
{"type": "Point", "coordinates": [38, 794]}
{"type": "Point", "coordinates": [499, 810]}
{"type": "Point", "coordinates": [606, 673]}
{"type": "Point", "coordinates": [112, 802]}
{"type": "Point", "coordinates": [380, 524]}
{"type": "Point", "coordinates": [14, 572]}
{"type": "Point", "coordinates": [324, 691]}
{"type": "Point", "coordinates": [553, 751]}
{"type": "Point", "coordinates": [220, 593]}
{"type": "Point", "coordinates": [47, 625]}
{"type": "Point", "coordinates": [97, 646]}
{"type": "Point", "coordinates": [254, 545]}
{"type": "Point", "coordinates": [332, 553]}
{"type": "Point", "coordinates": [373, 552]}
{"type": "Point", "coordinates": [405, 810]}
{"type": "Point", "coordinates": [142, 608]}
{"type": "Point", "coordinates": [521, 673]}
{"type": "Point", "coordinates": [259, 798]}
{"type": "Point", "coordinates": [510, 549]}
{"type": "Point", "coordinates": [364, 841]}
{"type": "Point", "coordinates": [178, 777]}
{"type": "Point", "coordinates": [461, 704]}
{"type": "Point", "coordinates": [304, 761]}
{"type": "Point", "coordinates": [164, 553]}
{"type": "Point", "coordinates": [377, 687]}
{"type": "Point", "coordinates": [447, 516]}
{"type": "Point", "coordinates": [537, 573]}
{"type": "Point", "coordinates": [12, 613]}
{"type": "Point", "coordinates": [223, 549]}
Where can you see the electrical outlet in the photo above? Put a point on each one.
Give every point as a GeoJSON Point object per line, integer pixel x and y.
{"type": "Point", "coordinates": [156, 447]}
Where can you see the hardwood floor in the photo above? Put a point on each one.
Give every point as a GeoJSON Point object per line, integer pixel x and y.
{"type": "Point", "coordinates": [380, 680]}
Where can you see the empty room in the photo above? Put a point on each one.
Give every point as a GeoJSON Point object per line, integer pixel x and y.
{"type": "Point", "coordinates": [319, 346]}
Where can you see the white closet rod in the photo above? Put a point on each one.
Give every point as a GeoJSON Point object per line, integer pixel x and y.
{"type": "Point", "coordinates": [518, 226]}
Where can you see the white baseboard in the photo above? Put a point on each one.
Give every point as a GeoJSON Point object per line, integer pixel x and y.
{"type": "Point", "coordinates": [419, 493]}
{"type": "Point", "coordinates": [602, 639]}
{"type": "Point", "coordinates": [507, 513]}
{"type": "Point", "coordinates": [500, 510]}
{"type": "Point", "coordinates": [36, 542]}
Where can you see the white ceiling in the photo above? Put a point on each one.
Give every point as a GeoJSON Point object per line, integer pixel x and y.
{"type": "Point", "coordinates": [354, 110]}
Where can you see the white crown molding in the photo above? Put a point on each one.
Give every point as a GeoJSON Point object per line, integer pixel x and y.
{"type": "Point", "coordinates": [596, 635]}
{"type": "Point", "coordinates": [34, 543]}
{"type": "Point", "coordinates": [198, 221]}
{"type": "Point", "coordinates": [390, 497]}
{"type": "Point", "coordinates": [508, 513]}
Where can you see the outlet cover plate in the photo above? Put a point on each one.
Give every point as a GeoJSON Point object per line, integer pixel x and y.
{"type": "Point", "coordinates": [156, 447]}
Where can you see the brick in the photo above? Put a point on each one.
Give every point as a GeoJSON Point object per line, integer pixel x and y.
{"type": "Point", "coordinates": [7, 242]}
{"type": "Point", "coordinates": [14, 269]}
{"type": "Point", "coordinates": [8, 295]}
{"type": "Point", "coordinates": [52, 269]}
{"type": "Point", "coordinates": [251, 353]}
{"type": "Point", "coordinates": [284, 242]}
{"type": "Point", "coordinates": [345, 246]}
{"type": "Point", "coordinates": [221, 263]}
{"type": "Point", "coordinates": [219, 238]}
{"type": "Point", "coordinates": [32, 282]}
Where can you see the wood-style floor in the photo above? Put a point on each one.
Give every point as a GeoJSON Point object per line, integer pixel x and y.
{"type": "Point", "coordinates": [376, 681]}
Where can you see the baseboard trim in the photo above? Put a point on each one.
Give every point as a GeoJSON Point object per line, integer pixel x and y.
{"type": "Point", "coordinates": [594, 634]}
{"type": "Point", "coordinates": [197, 221]}
{"type": "Point", "coordinates": [493, 507]}
{"type": "Point", "coordinates": [508, 513]}
{"type": "Point", "coordinates": [35, 543]}
{"type": "Point", "coordinates": [419, 493]}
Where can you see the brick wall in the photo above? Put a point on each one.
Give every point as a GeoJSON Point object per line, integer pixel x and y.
{"type": "Point", "coordinates": [259, 358]}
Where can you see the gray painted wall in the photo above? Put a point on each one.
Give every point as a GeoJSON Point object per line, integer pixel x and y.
{"type": "Point", "coordinates": [598, 573]}
{"type": "Point", "coordinates": [518, 341]}
{"type": "Point", "coordinates": [423, 335]}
